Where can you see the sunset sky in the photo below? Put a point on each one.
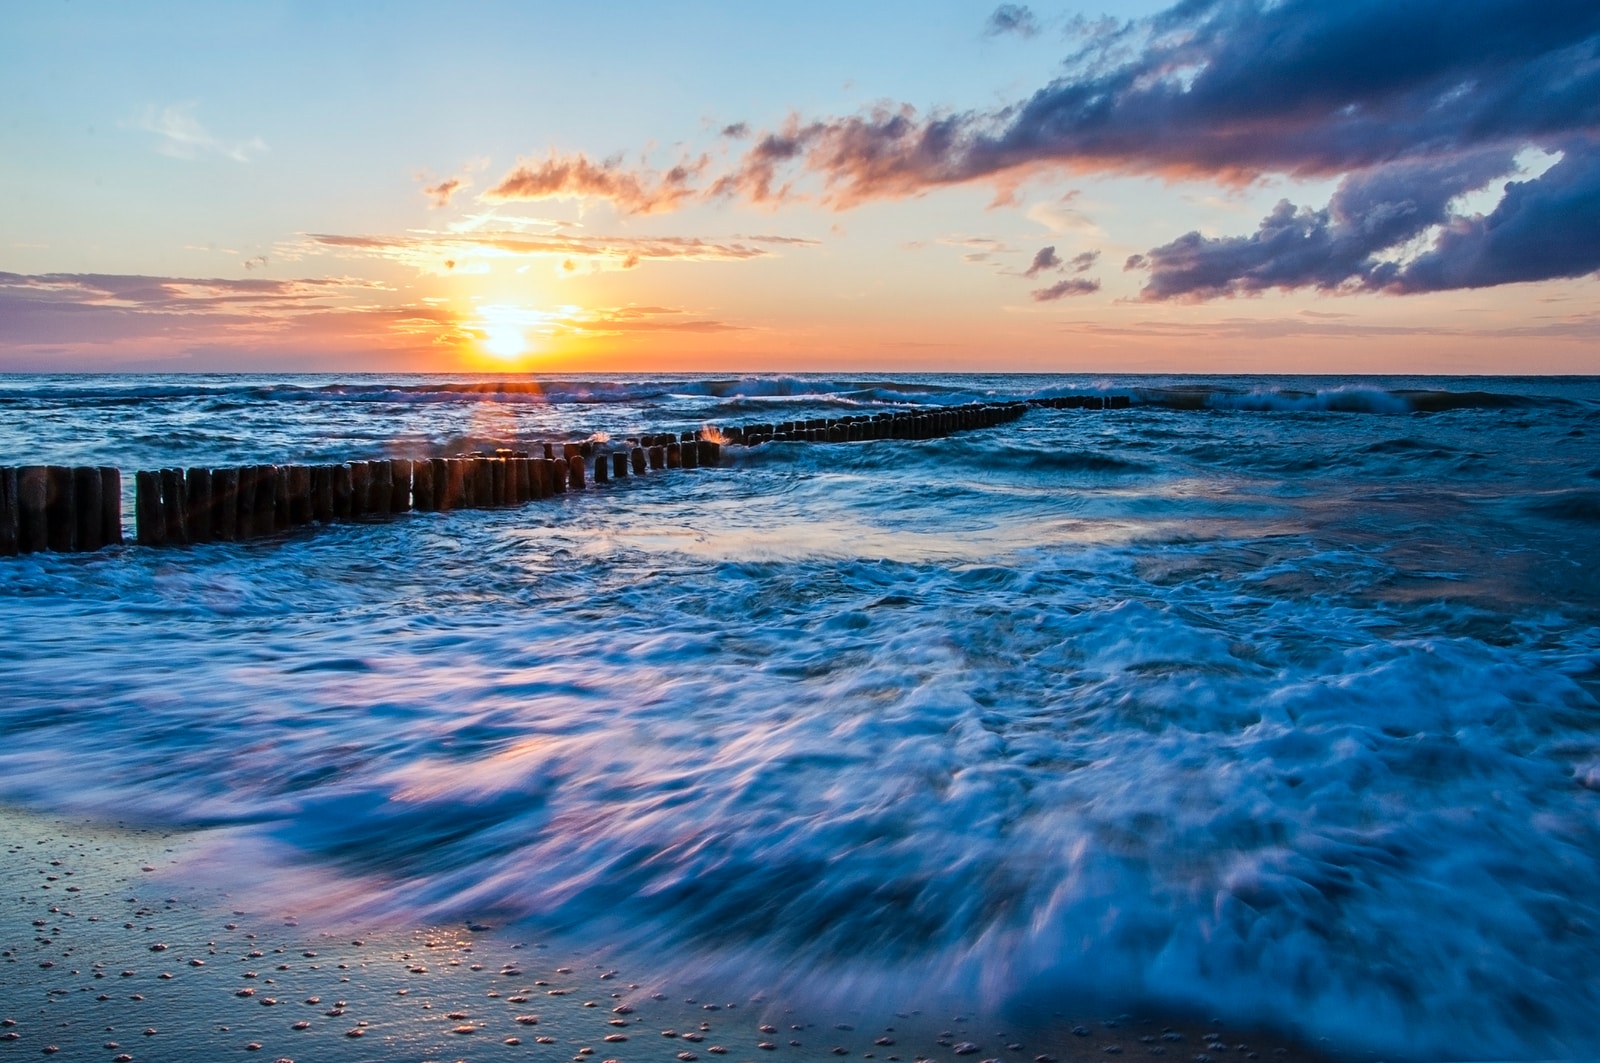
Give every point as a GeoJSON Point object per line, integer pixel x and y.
{"type": "Point", "coordinates": [1294, 186]}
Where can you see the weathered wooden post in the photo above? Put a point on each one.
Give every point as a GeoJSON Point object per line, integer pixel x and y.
{"type": "Point", "coordinates": [61, 521]}
{"type": "Point", "coordinates": [658, 457]}
{"type": "Point", "coordinates": [225, 504]}
{"type": "Point", "coordinates": [245, 503]}
{"type": "Point", "coordinates": [382, 486]}
{"type": "Point", "coordinates": [689, 454]}
{"type": "Point", "coordinates": [86, 499]}
{"type": "Point", "coordinates": [710, 453]}
{"type": "Point", "coordinates": [602, 468]}
{"type": "Point", "coordinates": [110, 505]}
{"type": "Point", "coordinates": [640, 462]}
{"type": "Point", "coordinates": [198, 503]}
{"type": "Point", "coordinates": [422, 496]}
{"type": "Point", "coordinates": [619, 464]}
{"type": "Point", "coordinates": [10, 516]}
{"type": "Point", "coordinates": [360, 489]}
{"type": "Point", "coordinates": [150, 525]}
{"type": "Point", "coordinates": [342, 478]}
{"type": "Point", "coordinates": [674, 455]}
{"type": "Point", "coordinates": [459, 482]}
{"type": "Point", "coordinates": [523, 467]}
{"type": "Point", "coordinates": [266, 522]}
{"type": "Point", "coordinates": [499, 487]}
{"type": "Point", "coordinates": [575, 472]}
{"type": "Point", "coordinates": [174, 506]}
{"type": "Point", "coordinates": [321, 488]}
{"type": "Point", "coordinates": [300, 504]}
{"type": "Point", "coordinates": [281, 504]}
{"type": "Point", "coordinates": [400, 499]}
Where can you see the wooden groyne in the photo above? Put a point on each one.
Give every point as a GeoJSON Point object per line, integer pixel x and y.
{"type": "Point", "coordinates": [57, 508]}
{"type": "Point", "coordinates": [60, 508]}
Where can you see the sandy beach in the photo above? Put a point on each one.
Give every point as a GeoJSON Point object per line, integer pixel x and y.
{"type": "Point", "coordinates": [108, 952]}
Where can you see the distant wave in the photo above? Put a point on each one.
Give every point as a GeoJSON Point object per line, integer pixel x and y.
{"type": "Point", "coordinates": [758, 391]}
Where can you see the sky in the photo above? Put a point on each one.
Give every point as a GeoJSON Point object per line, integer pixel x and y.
{"type": "Point", "coordinates": [1280, 186]}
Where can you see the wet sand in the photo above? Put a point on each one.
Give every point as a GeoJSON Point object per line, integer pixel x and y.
{"type": "Point", "coordinates": [108, 953]}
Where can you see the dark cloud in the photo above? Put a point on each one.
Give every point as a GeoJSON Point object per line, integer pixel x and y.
{"type": "Point", "coordinates": [736, 131]}
{"type": "Point", "coordinates": [1061, 289]}
{"type": "Point", "coordinates": [1543, 228]}
{"type": "Point", "coordinates": [1079, 263]}
{"type": "Point", "coordinates": [1043, 259]}
{"type": "Point", "coordinates": [1236, 88]}
{"type": "Point", "coordinates": [1012, 18]}
{"type": "Point", "coordinates": [640, 191]}
{"type": "Point", "coordinates": [1340, 245]}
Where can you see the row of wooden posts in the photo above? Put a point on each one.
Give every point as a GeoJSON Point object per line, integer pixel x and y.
{"type": "Point", "coordinates": [58, 508]}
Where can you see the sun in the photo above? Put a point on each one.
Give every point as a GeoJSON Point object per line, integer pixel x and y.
{"type": "Point", "coordinates": [505, 341]}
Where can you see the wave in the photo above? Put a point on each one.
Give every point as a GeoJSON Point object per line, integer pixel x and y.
{"type": "Point", "coordinates": [758, 391]}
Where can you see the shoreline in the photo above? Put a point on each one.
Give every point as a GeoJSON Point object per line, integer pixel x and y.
{"type": "Point", "coordinates": [109, 955]}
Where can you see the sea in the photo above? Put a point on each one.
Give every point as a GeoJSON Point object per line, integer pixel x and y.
{"type": "Point", "coordinates": [1275, 699]}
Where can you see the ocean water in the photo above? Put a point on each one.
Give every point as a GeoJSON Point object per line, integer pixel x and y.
{"type": "Point", "coordinates": [1275, 699]}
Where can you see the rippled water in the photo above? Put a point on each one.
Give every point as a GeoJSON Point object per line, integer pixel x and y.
{"type": "Point", "coordinates": [1275, 698]}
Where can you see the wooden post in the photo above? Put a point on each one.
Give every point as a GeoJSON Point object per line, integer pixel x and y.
{"type": "Point", "coordinates": [602, 469]}
{"type": "Point", "coordinates": [458, 488]}
{"type": "Point", "coordinates": [575, 473]}
{"type": "Point", "coordinates": [175, 506]}
{"type": "Point", "coordinates": [400, 500]}
{"type": "Point", "coordinates": [280, 498]}
{"type": "Point", "coordinates": [197, 482]}
{"type": "Point", "coordinates": [149, 523]}
{"type": "Point", "coordinates": [300, 504]}
{"type": "Point", "coordinates": [619, 464]}
{"type": "Point", "coordinates": [379, 502]}
{"type": "Point", "coordinates": [61, 521]}
{"type": "Point", "coordinates": [710, 453]}
{"type": "Point", "coordinates": [542, 476]}
{"type": "Point", "coordinates": [524, 470]}
{"type": "Point", "coordinates": [689, 454]}
{"type": "Point", "coordinates": [343, 480]}
{"type": "Point", "coordinates": [266, 516]}
{"type": "Point", "coordinates": [321, 489]}
{"type": "Point", "coordinates": [360, 489]}
{"type": "Point", "coordinates": [499, 486]}
{"type": "Point", "coordinates": [245, 503]}
{"type": "Point", "coordinates": [442, 498]}
{"type": "Point", "coordinates": [639, 460]}
{"type": "Point", "coordinates": [86, 497]}
{"type": "Point", "coordinates": [110, 505]}
{"type": "Point", "coordinates": [658, 456]}
{"type": "Point", "coordinates": [674, 456]}
{"type": "Point", "coordinates": [422, 485]}
{"type": "Point", "coordinates": [225, 504]}
{"type": "Point", "coordinates": [10, 519]}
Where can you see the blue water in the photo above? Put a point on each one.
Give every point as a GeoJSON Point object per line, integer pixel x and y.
{"type": "Point", "coordinates": [1273, 698]}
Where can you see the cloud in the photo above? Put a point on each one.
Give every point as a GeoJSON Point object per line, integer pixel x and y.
{"type": "Point", "coordinates": [183, 137]}
{"type": "Point", "coordinates": [1543, 228]}
{"type": "Point", "coordinates": [1410, 104]}
{"type": "Point", "coordinates": [428, 250]}
{"type": "Point", "coordinates": [1012, 18]}
{"type": "Point", "coordinates": [1043, 259]}
{"type": "Point", "coordinates": [1233, 89]}
{"type": "Point", "coordinates": [641, 191]}
{"type": "Point", "coordinates": [1061, 289]}
{"type": "Point", "coordinates": [439, 194]}
{"type": "Point", "coordinates": [1081, 262]}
